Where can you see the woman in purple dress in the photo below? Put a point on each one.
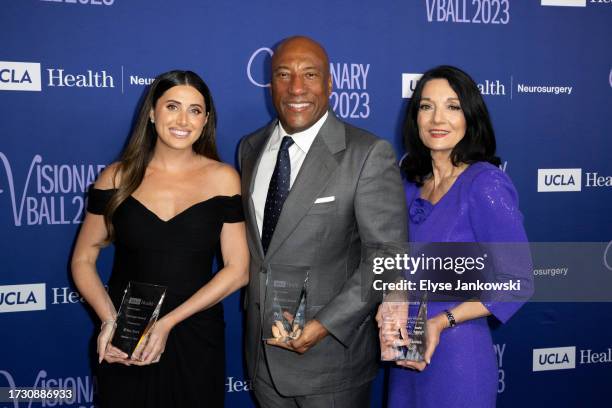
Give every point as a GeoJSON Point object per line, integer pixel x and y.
{"type": "Point", "coordinates": [456, 193]}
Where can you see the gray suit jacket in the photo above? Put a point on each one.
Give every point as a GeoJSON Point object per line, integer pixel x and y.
{"type": "Point", "coordinates": [360, 171]}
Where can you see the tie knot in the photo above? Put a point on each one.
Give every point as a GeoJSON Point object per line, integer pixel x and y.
{"type": "Point", "coordinates": [286, 143]}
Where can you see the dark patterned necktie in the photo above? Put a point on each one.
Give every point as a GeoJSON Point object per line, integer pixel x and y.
{"type": "Point", "coordinates": [278, 190]}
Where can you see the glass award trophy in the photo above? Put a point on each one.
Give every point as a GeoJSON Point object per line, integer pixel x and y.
{"type": "Point", "coordinates": [285, 303]}
{"type": "Point", "coordinates": [404, 329]}
{"type": "Point", "coordinates": [137, 314]}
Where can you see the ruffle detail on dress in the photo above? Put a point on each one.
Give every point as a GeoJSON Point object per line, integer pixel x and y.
{"type": "Point", "coordinates": [420, 210]}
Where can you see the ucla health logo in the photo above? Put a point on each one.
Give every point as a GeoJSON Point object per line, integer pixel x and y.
{"type": "Point", "coordinates": [22, 298]}
{"type": "Point", "coordinates": [556, 358]}
{"type": "Point", "coordinates": [27, 76]}
{"type": "Point", "coordinates": [52, 193]}
{"type": "Point", "coordinates": [557, 180]}
{"type": "Point", "coordinates": [20, 76]}
{"type": "Point", "coordinates": [564, 358]}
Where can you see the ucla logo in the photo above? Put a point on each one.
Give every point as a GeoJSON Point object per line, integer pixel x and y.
{"type": "Point", "coordinates": [19, 76]}
{"type": "Point", "coordinates": [556, 358]}
{"type": "Point", "coordinates": [558, 180]}
{"type": "Point", "coordinates": [11, 75]}
{"type": "Point", "coordinates": [22, 298]}
{"type": "Point", "coordinates": [17, 298]}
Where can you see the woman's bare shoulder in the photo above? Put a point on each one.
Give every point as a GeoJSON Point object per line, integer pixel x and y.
{"type": "Point", "coordinates": [223, 178]}
{"type": "Point", "coordinates": [110, 177]}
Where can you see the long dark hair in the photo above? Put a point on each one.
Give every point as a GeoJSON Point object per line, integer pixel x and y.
{"type": "Point", "coordinates": [138, 153]}
{"type": "Point", "coordinates": [478, 144]}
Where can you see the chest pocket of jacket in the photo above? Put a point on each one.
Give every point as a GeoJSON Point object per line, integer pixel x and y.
{"type": "Point", "coordinates": [322, 208]}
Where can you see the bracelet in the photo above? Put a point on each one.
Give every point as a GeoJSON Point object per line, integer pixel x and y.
{"type": "Point", "coordinates": [451, 318]}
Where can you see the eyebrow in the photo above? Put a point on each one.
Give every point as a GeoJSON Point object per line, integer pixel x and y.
{"type": "Point", "coordinates": [448, 99]}
{"type": "Point", "coordinates": [177, 102]}
{"type": "Point", "coordinates": [303, 69]}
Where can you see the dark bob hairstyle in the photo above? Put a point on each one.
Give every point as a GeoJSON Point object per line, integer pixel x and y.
{"type": "Point", "coordinates": [478, 144]}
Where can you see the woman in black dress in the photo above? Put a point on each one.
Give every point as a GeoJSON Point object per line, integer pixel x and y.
{"type": "Point", "coordinates": [166, 205]}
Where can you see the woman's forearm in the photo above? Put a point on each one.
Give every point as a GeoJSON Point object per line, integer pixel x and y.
{"type": "Point", "coordinates": [90, 287]}
{"type": "Point", "coordinates": [225, 282]}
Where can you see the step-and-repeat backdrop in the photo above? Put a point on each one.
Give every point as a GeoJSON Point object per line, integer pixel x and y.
{"type": "Point", "coordinates": [72, 73]}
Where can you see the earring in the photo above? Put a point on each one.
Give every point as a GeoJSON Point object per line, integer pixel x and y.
{"type": "Point", "coordinates": [152, 120]}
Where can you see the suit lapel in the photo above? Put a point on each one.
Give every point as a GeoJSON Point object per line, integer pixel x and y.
{"type": "Point", "coordinates": [252, 157]}
{"type": "Point", "coordinates": [312, 178]}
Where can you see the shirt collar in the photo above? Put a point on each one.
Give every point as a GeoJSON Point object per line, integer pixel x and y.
{"type": "Point", "coordinates": [305, 138]}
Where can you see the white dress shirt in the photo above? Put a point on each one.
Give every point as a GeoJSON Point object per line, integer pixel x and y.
{"type": "Point", "coordinates": [297, 153]}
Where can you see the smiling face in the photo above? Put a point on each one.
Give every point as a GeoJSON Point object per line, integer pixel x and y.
{"type": "Point", "coordinates": [301, 83]}
{"type": "Point", "coordinates": [179, 116]}
{"type": "Point", "coordinates": [440, 119]}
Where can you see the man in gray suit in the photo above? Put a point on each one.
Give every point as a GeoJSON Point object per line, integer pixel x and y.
{"type": "Point", "coordinates": [315, 190]}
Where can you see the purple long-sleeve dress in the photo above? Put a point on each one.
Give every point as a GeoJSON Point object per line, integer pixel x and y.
{"type": "Point", "coordinates": [481, 206]}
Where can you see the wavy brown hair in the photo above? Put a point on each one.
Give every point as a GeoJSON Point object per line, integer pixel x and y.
{"type": "Point", "coordinates": [138, 153]}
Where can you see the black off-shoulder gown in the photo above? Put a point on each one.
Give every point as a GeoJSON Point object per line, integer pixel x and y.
{"type": "Point", "coordinates": [177, 253]}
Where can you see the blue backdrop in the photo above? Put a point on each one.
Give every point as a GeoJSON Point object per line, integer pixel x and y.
{"type": "Point", "coordinates": [73, 71]}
